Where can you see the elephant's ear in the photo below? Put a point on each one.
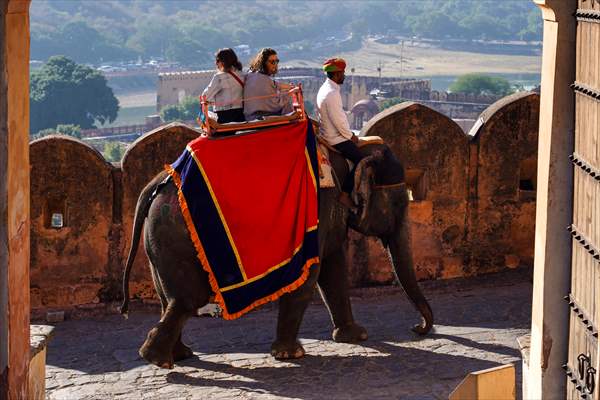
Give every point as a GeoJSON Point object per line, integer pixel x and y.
{"type": "Point", "coordinates": [364, 182]}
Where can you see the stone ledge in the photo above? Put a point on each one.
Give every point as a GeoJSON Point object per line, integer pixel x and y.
{"type": "Point", "coordinates": [40, 335]}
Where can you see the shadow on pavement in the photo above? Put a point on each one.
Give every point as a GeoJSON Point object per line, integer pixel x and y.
{"type": "Point", "coordinates": [320, 376]}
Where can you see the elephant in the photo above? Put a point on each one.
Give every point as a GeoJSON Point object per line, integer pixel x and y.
{"type": "Point", "coordinates": [183, 286]}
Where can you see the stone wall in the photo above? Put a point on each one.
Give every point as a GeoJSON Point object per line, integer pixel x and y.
{"type": "Point", "coordinates": [473, 206]}
{"type": "Point", "coordinates": [82, 211]}
{"type": "Point", "coordinates": [502, 217]}
{"type": "Point", "coordinates": [432, 148]}
{"type": "Point", "coordinates": [73, 182]}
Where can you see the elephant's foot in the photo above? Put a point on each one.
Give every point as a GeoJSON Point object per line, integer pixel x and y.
{"type": "Point", "coordinates": [426, 320]}
{"type": "Point", "coordinates": [152, 352]}
{"type": "Point", "coordinates": [351, 333]}
{"type": "Point", "coordinates": [181, 351]}
{"type": "Point", "coordinates": [287, 351]}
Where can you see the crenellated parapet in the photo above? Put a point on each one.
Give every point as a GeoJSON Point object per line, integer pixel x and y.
{"type": "Point", "coordinates": [472, 209]}
{"type": "Point", "coordinates": [473, 195]}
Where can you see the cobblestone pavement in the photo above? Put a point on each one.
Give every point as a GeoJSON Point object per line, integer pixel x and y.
{"type": "Point", "coordinates": [477, 323]}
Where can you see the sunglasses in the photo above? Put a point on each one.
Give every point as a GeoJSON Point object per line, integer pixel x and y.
{"type": "Point", "coordinates": [273, 62]}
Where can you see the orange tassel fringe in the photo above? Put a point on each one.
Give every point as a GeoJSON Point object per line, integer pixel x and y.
{"type": "Point", "coordinates": [206, 266]}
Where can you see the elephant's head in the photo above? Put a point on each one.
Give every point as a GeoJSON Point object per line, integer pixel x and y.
{"type": "Point", "coordinates": [380, 206]}
{"type": "Point", "coordinates": [381, 195]}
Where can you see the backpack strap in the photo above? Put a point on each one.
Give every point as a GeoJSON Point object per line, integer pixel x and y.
{"type": "Point", "coordinates": [237, 78]}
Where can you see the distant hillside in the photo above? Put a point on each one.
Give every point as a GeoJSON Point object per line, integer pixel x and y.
{"type": "Point", "coordinates": [189, 31]}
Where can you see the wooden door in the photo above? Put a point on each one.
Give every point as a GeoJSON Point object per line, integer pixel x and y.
{"type": "Point", "coordinates": [583, 361]}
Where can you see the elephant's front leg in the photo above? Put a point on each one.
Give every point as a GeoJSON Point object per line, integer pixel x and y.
{"type": "Point", "coordinates": [399, 248]}
{"type": "Point", "coordinates": [334, 288]}
{"type": "Point", "coordinates": [291, 310]}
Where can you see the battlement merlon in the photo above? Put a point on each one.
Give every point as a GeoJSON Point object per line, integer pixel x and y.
{"type": "Point", "coordinates": [177, 76]}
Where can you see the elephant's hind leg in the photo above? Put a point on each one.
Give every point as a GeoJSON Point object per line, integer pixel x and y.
{"type": "Point", "coordinates": [160, 344]}
{"type": "Point", "coordinates": [334, 289]}
{"type": "Point", "coordinates": [180, 350]}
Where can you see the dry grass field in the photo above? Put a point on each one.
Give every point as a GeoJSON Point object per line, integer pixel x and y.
{"type": "Point", "coordinates": [420, 60]}
{"type": "Point", "coordinates": [137, 99]}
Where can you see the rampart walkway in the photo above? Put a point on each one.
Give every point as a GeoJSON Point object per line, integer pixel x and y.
{"type": "Point", "coordinates": [478, 321]}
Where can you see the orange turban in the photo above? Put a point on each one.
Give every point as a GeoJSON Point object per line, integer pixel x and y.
{"type": "Point", "coordinates": [334, 65]}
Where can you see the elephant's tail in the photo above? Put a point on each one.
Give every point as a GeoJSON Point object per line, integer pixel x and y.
{"type": "Point", "coordinates": [141, 211]}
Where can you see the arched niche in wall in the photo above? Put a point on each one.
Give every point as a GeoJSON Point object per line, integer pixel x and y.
{"type": "Point", "coordinates": [434, 152]}
{"type": "Point", "coordinates": [144, 159]}
{"type": "Point", "coordinates": [506, 136]}
{"type": "Point", "coordinates": [71, 215]}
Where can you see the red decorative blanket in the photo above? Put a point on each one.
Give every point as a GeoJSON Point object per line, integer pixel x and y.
{"type": "Point", "coordinates": [250, 204]}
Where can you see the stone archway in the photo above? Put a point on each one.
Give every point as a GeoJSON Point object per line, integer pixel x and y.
{"type": "Point", "coordinates": [14, 198]}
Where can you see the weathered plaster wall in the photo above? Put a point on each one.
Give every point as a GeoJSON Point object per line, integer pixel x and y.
{"type": "Point", "coordinates": [473, 207]}
{"type": "Point", "coordinates": [467, 216]}
{"type": "Point", "coordinates": [503, 207]}
{"type": "Point", "coordinates": [432, 148]}
{"type": "Point", "coordinates": [69, 264]}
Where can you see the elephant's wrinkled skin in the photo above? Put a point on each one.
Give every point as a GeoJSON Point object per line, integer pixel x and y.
{"type": "Point", "coordinates": [183, 286]}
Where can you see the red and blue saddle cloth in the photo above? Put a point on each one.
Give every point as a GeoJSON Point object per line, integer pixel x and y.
{"type": "Point", "coordinates": [250, 203]}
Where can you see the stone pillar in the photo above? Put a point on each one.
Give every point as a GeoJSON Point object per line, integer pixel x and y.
{"type": "Point", "coordinates": [550, 323]}
{"type": "Point", "coordinates": [14, 198]}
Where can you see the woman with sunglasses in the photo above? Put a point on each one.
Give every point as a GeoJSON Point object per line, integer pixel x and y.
{"type": "Point", "coordinates": [225, 90]}
{"type": "Point", "coordinates": [262, 95]}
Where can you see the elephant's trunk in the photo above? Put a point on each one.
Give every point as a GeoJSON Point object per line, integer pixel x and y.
{"type": "Point", "coordinates": [399, 248]}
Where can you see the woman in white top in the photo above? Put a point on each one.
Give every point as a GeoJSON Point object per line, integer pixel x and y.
{"type": "Point", "coordinates": [226, 88]}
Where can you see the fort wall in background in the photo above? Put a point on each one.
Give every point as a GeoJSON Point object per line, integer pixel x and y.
{"type": "Point", "coordinates": [174, 86]}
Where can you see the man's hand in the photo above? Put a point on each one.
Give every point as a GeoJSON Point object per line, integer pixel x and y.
{"type": "Point", "coordinates": [354, 139]}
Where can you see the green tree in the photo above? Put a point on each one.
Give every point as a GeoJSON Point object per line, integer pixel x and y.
{"type": "Point", "coordinates": [64, 92]}
{"type": "Point", "coordinates": [69, 129]}
{"type": "Point", "coordinates": [390, 102]}
{"type": "Point", "coordinates": [63, 129]}
{"type": "Point", "coordinates": [42, 133]}
{"type": "Point", "coordinates": [78, 40]}
{"type": "Point", "coordinates": [113, 151]}
{"type": "Point", "coordinates": [171, 113]}
{"type": "Point", "coordinates": [434, 25]}
{"type": "Point", "coordinates": [187, 110]}
{"type": "Point", "coordinates": [190, 108]}
{"type": "Point", "coordinates": [186, 51]}
{"type": "Point", "coordinates": [481, 84]}
{"type": "Point", "coordinates": [152, 36]}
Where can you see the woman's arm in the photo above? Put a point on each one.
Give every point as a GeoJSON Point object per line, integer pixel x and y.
{"type": "Point", "coordinates": [213, 88]}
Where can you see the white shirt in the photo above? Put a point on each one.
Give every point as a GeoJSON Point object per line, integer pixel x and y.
{"type": "Point", "coordinates": [334, 122]}
{"type": "Point", "coordinates": [225, 91]}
